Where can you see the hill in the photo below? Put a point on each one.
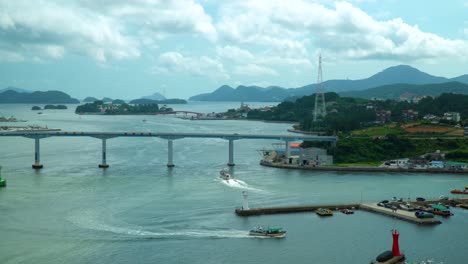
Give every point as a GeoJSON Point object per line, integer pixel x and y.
{"type": "Point", "coordinates": [149, 101]}
{"type": "Point", "coordinates": [155, 96]}
{"type": "Point", "coordinates": [16, 89]}
{"type": "Point", "coordinates": [394, 91]}
{"type": "Point", "coordinates": [49, 97]}
{"type": "Point", "coordinates": [393, 75]}
{"type": "Point", "coordinates": [90, 99]}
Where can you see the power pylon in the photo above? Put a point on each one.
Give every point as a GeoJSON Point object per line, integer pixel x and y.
{"type": "Point", "coordinates": [319, 109]}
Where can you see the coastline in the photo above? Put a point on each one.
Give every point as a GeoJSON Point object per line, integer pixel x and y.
{"type": "Point", "coordinates": [360, 169]}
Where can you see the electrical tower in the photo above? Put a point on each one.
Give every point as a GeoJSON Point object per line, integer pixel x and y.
{"type": "Point", "coordinates": [319, 109]}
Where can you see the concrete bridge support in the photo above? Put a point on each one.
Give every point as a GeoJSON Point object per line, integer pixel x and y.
{"type": "Point", "coordinates": [287, 149]}
{"type": "Point", "coordinates": [104, 164]}
{"type": "Point", "coordinates": [231, 153]}
{"type": "Point", "coordinates": [170, 153]}
{"type": "Point", "coordinates": [37, 155]}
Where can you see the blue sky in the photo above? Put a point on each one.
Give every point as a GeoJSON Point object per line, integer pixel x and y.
{"type": "Point", "coordinates": [128, 49]}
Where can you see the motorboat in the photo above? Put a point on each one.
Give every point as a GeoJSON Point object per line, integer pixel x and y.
{"type": "Point", "coordinates": [324, 212]}
{"type": "Point", "coordinates": [406, 207]}
{"type": "Point", "coordinates": [276, 232]}
{"type": "Point", "coordinates": [421, 214]}
{"type": "Point", "coordinates": [223, 174]}
{"type": "Point", "coordinates": [347, 211]}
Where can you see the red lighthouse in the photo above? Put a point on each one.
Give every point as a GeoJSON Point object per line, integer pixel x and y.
{"type": "Point", "coordinates": [395, 246]}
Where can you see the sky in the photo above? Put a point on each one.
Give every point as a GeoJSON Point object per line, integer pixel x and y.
{"type": "Point", "coordinates": [180, 48]}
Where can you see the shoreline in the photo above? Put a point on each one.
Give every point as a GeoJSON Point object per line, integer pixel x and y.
{"type": "Point", "coordinates": [360, 169]}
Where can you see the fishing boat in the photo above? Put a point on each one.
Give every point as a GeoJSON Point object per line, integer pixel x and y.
{"type": "Point", "coordinates": [276, 232]}
{"type": "Point", "coordinates": [439, 209]}
{"type": "Point", "coordinates": [347, 211]}
{"type": "Point", "coordinates": [324, 212]}
{"type": "Point", "coordinates": [223, 174]}
{"type": "Point", "coordinates": [421, 214]}
{"type": "Point", "coordinates": [455, 191]}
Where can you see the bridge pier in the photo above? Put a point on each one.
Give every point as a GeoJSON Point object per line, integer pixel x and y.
{"type": "Point", "coordinates": [287, 149]}
{"type": "Point", "coordinates": [170, 153]}
{"type": "Point", "coordinates": [37, 155]}
{"type": "Point", "coordinates": [103, 164]}
{"type": "Point", "coordinates": [231, 153]}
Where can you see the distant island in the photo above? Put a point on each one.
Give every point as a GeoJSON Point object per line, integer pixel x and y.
{"type": "Point", "coordinates": [392, 76]}
{"type": "Point", "coordinates": [50, 107]}
{"type": "Point", "coordinates": [38, 97]}
{"type": "Point", "coordinates": [150, 101]}
{"type": "Point", "coordinates": [101, 108]}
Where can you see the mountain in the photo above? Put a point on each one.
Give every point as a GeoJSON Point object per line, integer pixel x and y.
{"type": "Point", "coordinates": [107, 100]}
{"type": "Point", "coordinates": [149, 101]}
{"type": "Point", "coordinates": [394, 91]}
{"type": "Point", "coordinates": [49, 97]}
{"type": "Point", "coordinates": [90, 99]}
{"type": "Point", "coordinates": [16, 89]}
{"type": "Point", "coordinates": [155, 96]}
{"type": "Point", "coordinates": [393, 75]}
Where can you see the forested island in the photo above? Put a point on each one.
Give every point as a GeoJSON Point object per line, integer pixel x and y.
{"type": "Point", "coordinates": [50, 107]}
{"type": "Point", "coordinates": [38, 97]}
{"type": "Point", "coordinates": [371, 131]}
{"type": "Point", "coordinates": [99, 107]}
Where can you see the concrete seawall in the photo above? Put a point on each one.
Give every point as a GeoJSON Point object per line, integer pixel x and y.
{"type": "Point", "coordinates": [359, 169]}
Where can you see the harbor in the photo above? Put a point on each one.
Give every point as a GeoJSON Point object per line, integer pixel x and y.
{"type": "Point", "coordinates": [392, 209]}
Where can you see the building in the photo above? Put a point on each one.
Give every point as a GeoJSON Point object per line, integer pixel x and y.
{"type": "Point", "coordinates": [452, 116]}
{"type": "Point", "coordinates": [383, 116]}
{"type": "Point", "coordinates": [409, 115]}
{"type": "Point", "coordinates": [398, 163]}
{"type": "Point", "coordinates": [465, 133]}
{"type": "Point", "coordinates": [314, 157]}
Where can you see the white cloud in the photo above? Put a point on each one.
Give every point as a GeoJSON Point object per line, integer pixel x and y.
{"type": "Point", "coordinates": [99, 29]}
{"type": "Point", "coordinates": [174, 62]}
{"type": "Point", "coordinates": [254, 70]}
{"type": "Point", "coordinates": [343, 31]}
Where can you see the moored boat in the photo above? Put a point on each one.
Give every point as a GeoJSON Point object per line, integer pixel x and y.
{"type": "Point", "coordinates": [2, 181]}
{"type": "Point", "coordinates": [439, 209]}
{"type": "Point", "coordinates": [455, 191]}
{"type": "Point", "coordinates": [324, 212]}
{"type": "Point", "coordinates": [347, 211]}
{"type": "Point", "coordinates": [421, 214]}
{"type": "Point", "coordinates": [276, 232]}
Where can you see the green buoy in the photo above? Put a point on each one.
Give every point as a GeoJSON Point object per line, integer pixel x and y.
{"type": "Point", "coordinates": [2, 181]}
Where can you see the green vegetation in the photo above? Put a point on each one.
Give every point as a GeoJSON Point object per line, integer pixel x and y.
{"type": "Point", "coordinates": [365, 150]}
{"type": "Point", "coordinates": [59, 107]}
{"type": "Point", "coordinates": [383, 130]}
{"type": "Point", "coordinates": [150, 101]}
{"type": "Point", "coordinates": [98, 107]}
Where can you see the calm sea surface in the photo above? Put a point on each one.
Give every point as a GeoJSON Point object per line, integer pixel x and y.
{"type": "Point", "coordinates": [139, 211]}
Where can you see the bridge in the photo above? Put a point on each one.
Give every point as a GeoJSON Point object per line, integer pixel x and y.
{"type": "Point", "coordinates": [179, 112]}
{"type": "Point", "coordinates": [170, 137]}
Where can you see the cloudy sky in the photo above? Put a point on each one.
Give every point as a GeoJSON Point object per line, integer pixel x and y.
{"type": "Point", "coordinates": [127, 49]}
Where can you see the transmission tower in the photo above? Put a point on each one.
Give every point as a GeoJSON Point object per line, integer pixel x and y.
{"type": "Point", "coordinates": [319, 109]}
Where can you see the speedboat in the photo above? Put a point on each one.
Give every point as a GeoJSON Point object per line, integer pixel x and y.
{"type": "Point", "coordinates": [223, 174]}
{"type": "Point", "coordinates": [276, 232]}
{"type": "Point", "coordinates": [324, 212]}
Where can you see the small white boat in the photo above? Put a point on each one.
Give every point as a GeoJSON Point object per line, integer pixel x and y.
{"type": "Point", "coordinates": [223, 174]}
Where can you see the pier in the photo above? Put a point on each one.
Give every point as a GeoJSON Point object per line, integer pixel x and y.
{"type": "Point", "coordinates": [170, 137]}
{"type": "Point", "coordinates": [401, 214]}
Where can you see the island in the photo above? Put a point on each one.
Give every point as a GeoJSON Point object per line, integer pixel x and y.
{"type": "Point", "coordinates": [101, 108]}
{"type": "Point", "coordinates": [38, 97]}
{"type": "Point", "coordinates": [165, 101]}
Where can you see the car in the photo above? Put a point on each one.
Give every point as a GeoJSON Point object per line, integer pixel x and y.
{"type": "Point", "coordinates": [420, 199]}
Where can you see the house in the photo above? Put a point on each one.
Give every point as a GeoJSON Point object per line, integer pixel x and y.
{"type": "Point", "coordinates": [465, 132]}
{"type": "Point", "coordinates": [452, 116]}
{"type": "Point", "coordinates": [436, 164]}
{"type": "Point", "coordinates": [383, 116]}
{"type": "Point", "coordinates": [409, 115]}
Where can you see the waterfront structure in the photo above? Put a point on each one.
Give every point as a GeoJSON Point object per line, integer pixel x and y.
{"type": "Point", "coordinates": [294, 155]}
{"type": "Point", "coordinates": [170, 137]}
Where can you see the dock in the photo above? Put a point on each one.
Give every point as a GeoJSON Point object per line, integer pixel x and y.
{"type": "Point", "coordinates": [292, 209]}
{"type": "Point", "coordinates": [400, 214]}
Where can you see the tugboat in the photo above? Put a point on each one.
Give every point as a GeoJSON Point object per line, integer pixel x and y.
{"type": "Point", "coordinates": [324, 212]}
{"type": "Point", "coordinates": [223, 174]}
{"type": "Point", "coordinates": [276, 232]}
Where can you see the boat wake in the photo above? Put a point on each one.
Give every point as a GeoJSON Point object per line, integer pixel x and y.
{"type": "Point", "coordinates": [88, 220]}
{"type": "Point", "coordinates": [236, 183]}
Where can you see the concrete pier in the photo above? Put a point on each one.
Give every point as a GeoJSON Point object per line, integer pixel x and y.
{"type": "Point", "coordinates": [170, 153]}
{"type": "Point", "coordinates": [400, 214]}
{"type": "Point", "coordinates": [104, 164]}
{"type": "Point", "coordinates": [37, 155]}
{"type": "Point", "coordinates": [292, 209]}
{"type": "Point", "coordinates": [231, 153]}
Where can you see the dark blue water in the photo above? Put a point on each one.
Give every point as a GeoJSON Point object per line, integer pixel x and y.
{"type": "Point", "coordinates": [139, 211]}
